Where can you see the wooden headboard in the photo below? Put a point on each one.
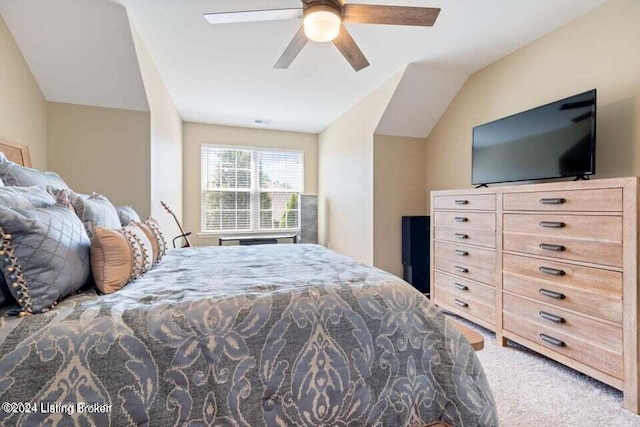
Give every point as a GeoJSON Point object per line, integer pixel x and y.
{"type": "Point", "coordinates": [15, 152]}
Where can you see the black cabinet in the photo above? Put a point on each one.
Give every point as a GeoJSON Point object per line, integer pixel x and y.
{"type": "Point", "coordinates": [415, 251]}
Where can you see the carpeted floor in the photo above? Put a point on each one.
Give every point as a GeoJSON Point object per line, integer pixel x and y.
{"type": "Point", "coordinates": [531, 390]}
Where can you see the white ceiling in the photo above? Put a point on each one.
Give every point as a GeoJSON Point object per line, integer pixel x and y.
{"type": "Point", "coordinates": [223, 74]}
{"type": "Point", "coordinates": [421, 98]}
{"type": "Point", "coordinates": [80, 51]}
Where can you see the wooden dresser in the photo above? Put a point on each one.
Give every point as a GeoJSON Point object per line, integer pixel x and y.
{"type": "Point", "coordinates": [550, 266]}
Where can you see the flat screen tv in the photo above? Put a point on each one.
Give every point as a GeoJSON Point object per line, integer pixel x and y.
{"type": "Point", "coordinates": [552, 141]}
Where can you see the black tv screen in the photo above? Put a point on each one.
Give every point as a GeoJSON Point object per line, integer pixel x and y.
{"type": "Point", "coordinates": [552, 141]}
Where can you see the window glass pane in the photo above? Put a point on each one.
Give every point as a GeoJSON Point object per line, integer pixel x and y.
{"type": "Point", "coordinates": [266, 220]}
{"type": "Point", "coordinates": [212, 220]}
{"type": "Point", "coordinates": [228, 158]}
{"type": "Point", "coordinates": [244, 160]}
{"type": "Point", "coordinates": [244, 200]}
{"type": "Point", "coordinates": [280, 170]}
{"type": "Point", "coordinates": [292, 219]}
{"type": "Point", "coordinates": [244, 179]}
{"type": "Point", "coordinates": [265, 201]}
{"type": "Point", "coordinates": [228, 178]}
{"type": "Point", "coordinates": [293, 202]}
{"type": "Point", "coordinates": [213, 200]}
{"type": "Point", "coordinates": [229, 220]}
{"type": "Point", "coordinates": [244, 220]}
{"type": "Point", "coordinates": [228, 200]}
{"type": "Point", "coordinates": [284, 210]}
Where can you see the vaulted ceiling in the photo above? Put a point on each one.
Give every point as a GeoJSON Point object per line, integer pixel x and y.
{"type": "Point", "coordinates": [80, 52]}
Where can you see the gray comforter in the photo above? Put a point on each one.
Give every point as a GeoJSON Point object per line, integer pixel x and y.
{"type": "Point", "coordinates": [282, 335]}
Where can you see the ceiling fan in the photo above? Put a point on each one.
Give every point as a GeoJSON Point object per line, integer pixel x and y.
{"type": "Point", "coordinates": [323, 21]}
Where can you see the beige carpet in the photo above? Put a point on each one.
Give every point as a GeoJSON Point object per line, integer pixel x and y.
{"type": "Point", "coordinates": [531, 390]}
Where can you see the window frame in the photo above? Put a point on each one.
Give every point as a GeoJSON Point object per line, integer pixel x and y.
{"type": "Point", "coordinates": [254, 192]}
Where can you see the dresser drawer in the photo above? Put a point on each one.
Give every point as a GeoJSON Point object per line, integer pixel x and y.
{"type": "Point", "coordinates": [587, 290]}
{"type": "Point", "coordinates": [486, 202]}
{"type": "Point", "coordinates": [605, 253]}
{"type": "Point", "coordinates": [464, 289]}
{"type": "Point", "coordinates": [467, 220]}
{"type": "Point", "coordinates": [467, 236]}
{"type": "Point", "coordinates": [597, 200]}
{"type": "Point", "coordinates": [586, 329]}
{"type": "Point", "coordinates": [479, 273]}
{"type": "Point", "coordinates": [466, 304]}
{"type": "Point", "coordinates": [600, 358]}
{"type": "Point", "coordinates": [585, 227]}
{"type": "Point", "coordinates": [467, 254]}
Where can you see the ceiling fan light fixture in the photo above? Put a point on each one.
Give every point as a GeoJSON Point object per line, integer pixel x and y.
{"type": "Point", "coordinates": [322, 24]}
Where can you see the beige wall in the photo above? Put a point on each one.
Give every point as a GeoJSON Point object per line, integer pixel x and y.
{"type": "Point", "coordinates": [103, 150]}
{"type": "Point", "coordinates": [166, 142]}
{"type": "Point", "coordinates": [399, 165]}
{"type": "Point", "coordinates": [23, 109]}
{"type": "Point", "coordinates": [599, 50]}
{"type": "Point", "coordinates": [196, 134]}
{"type": "Point", "coordinates": [346, 176]}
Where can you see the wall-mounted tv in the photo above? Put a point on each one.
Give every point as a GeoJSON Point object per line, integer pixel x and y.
{"type": "Point", "coordinates": [552, 141]}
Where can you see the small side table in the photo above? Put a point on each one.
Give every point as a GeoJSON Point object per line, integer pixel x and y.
{"type": "Point", "coordinates": [475, 338]}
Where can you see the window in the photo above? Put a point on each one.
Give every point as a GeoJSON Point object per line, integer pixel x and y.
{"type": "Point", "coordinates": [250, 190]}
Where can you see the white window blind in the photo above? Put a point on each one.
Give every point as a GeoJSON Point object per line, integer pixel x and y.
{"type": "Point", "coordinates": [250, 190]}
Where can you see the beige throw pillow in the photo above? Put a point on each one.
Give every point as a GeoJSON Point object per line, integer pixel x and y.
{"type": "Point", "coordinates": [119, 257]}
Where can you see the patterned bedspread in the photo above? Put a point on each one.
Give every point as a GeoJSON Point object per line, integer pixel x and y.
{"type": "Point", "coordinates": [282, 335]}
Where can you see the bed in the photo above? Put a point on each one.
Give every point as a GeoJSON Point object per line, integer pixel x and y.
{"type": "Point", "coordinates": [279, 335]}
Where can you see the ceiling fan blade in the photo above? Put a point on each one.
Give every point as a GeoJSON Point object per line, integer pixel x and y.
{"type": "Point", "coordinates": [293, 50]}
{"type": "Point", "coordinates": [254, 16]}
{"type": "Point", "coordinates": [350, 50]}
{"type": "Point", "coordinates": [390, 15]}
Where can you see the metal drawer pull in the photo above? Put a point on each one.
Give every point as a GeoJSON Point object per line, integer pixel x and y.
{"type": "Point", "coordinates": [555, 248]}
{"type": "Point", "coordinates": [461, 236]}
{"type": "Point", "coordinates": [461, 286]}
{"type": "Point", "coordinates": [462, 202]}
{"type": "Point", "coordinates": [555, 201]}
{"type": "Point", "coordinates": [461, 219]}
{"type": "Point", "coordinates": [551, 294]}
{"type": "Point", "coordinates": [461, 303]}
{"type": "Point", "coordinates": [552, 317]}
{"type": "Point", "coordinates": [461, 269]}
{"type": "Point", "coordinates": [552, 340]}
{"type": "Point", "coordinates": [461, 253]}
{"type": "Point", "coordinates": [552, 271]}
{"type": "Point", "coordinates": [552, 224]}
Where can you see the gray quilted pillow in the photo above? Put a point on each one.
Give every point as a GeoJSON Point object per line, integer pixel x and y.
{"type": "Point", "coordinates": [45, 255]}
{"type": "Point", "coordinates": [21, 197]}
{"type": "Point", "coordinates": [95, 211]}
{"type": "Point", "coordinates": [127, 214]}
{"type": "Point", "coordinates": [14, 175]}
{"type": "Point", "coordinates": [25, 197]}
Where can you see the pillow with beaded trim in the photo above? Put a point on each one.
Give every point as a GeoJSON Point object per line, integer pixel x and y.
{"type": "Point", "coordinates": [151, 227]}
{"type": "Point", "coordinates": [44, 255]}
{"type": "Point", "coordinates": [20, 197]}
